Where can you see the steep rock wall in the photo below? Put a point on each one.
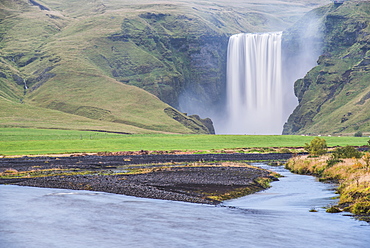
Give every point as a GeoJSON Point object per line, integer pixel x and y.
{"type": "Point", "coordinates": [166, 54]}
{"type": "Point", "coordinates": [333, 96]}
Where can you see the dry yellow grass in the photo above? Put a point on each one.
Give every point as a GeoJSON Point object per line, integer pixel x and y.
{"type": "Point", "coordinates": [353, 176]}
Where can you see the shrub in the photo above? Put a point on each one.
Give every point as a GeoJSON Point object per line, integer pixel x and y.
{"type": "Point", "coordinates": [285, 150]}
{"type": "Point", "coordinates": [333, 209]}
{"type": "Point", "coordinates": [333, 161]}
{"type": "Point", "coordinates": [346, 152]}
{"type": "Point", "coordinates": [361, 208]}
{"type": "Point", "coordinates": [316, 147]}
{"type": "Point", "coordinates": [366, 159]}
{"type": "Point", "coordinates": [358, 134]}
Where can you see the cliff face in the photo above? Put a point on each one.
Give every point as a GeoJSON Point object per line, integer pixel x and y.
{"type": "Point", "coordinates": [92, 59]}
{"type": "Point", "coordinates": [165, 54]}
{"type": "Point", "coordinates": [333, 96]}
{"type": "Point", "coordinates": [69, 61]}
{"type": "Point", "coordinates": [178, 52]}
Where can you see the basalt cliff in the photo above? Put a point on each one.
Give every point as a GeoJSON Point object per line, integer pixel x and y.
{"type": "Point", "coordinates": [334, 95]}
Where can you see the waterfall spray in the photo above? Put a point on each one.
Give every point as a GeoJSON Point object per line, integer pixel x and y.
{"type": "Point", "coordinates": [254, 84]}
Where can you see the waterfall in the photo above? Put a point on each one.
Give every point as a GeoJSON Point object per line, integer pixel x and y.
{"type": "Point", "coordinates": [25, 84]}
{"type": "Point", "coordinates": [254, 84]}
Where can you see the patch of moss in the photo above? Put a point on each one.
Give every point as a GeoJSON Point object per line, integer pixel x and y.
{"type": "Point", "coordinates": [258, 185]}
{"type": "Point", "coordinates": [333, 209]}
{"type": "Point", "coordinates": [14, 174]}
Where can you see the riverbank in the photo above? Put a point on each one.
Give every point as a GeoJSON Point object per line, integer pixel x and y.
{"type": "Point", "coordinates": [169, 177]}
{"type": "Point", "coordinates": [352, 176]}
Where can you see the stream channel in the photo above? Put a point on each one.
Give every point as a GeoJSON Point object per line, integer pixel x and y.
{"type": "Point", "coordinates": [277, 217]}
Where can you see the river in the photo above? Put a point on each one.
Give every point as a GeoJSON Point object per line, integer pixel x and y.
{"type": "Point", "coordinates": [277, 217]}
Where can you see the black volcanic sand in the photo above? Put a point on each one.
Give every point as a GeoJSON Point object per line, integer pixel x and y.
{"type": "Point", "coordinates": [185, 183]}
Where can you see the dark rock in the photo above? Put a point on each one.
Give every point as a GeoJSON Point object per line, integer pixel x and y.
{"type": "Point", "coordinates": [42, 7]}
{"type": "Point", "coordinates": [206, 122]}
{"type": "Point", "coordinates": [18, 80]}
{"type": "Point", "coordinates": [194, 123]}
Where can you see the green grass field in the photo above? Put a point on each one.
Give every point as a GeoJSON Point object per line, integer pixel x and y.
{"type": "Point", "coordinates": [18, 141]}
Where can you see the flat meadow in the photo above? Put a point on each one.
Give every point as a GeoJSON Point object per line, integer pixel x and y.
{"type": "Point", "coordinates": [24, 141]}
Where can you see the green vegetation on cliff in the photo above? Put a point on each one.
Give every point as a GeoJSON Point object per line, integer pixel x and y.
{"type": "Point", "coordinates": [80, 64]}
{"type": "Point", "coordinates": [334, 96]}
{"type": "Point", "coordinates": [45, 64]}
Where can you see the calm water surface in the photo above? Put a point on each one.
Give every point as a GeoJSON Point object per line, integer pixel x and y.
{"type": "Point", "coordinates": [277, 217]}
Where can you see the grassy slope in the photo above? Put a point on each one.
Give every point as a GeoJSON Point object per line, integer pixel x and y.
{"type": "Point", "coordinates": [27, 116]}
{"type": "Point", "coordinates": [78, 87]}
{"type": "Point", "coordinates": [51, 51]}
{"type": "Point", "coordinates": [15, 141]}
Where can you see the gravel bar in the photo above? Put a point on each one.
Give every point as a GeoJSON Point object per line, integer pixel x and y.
{"type": "Point", "coordinates": [94, 161]}
{"type": "Point", "coordinates": [186, 183]}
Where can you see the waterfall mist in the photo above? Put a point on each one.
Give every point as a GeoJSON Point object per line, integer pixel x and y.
{"type": "Point", "coordinates": [254, 84]}
{"type": "Point", "coordinates": [259, 87]}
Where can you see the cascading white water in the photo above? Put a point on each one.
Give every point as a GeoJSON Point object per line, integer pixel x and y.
{"type": "Point", "coordinates": [254, 84]}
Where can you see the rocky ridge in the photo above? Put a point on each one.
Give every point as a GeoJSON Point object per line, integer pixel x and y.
{"type": "Point", "coordinates": [333, 96]}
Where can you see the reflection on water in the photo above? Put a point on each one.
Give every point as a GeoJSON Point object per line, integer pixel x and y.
{"type": "Point", "coordinates": [277, 217]}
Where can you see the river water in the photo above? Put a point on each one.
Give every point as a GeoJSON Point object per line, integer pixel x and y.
{"type": "Point", "coordinates": [277, 217]}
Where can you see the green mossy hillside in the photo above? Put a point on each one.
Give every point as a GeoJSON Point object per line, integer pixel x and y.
{"type": "Point", "coordinates": [334, 96]}
{"type": "Point", "coordinates": [87, 60]}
